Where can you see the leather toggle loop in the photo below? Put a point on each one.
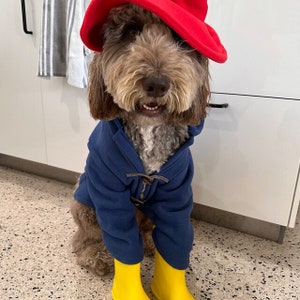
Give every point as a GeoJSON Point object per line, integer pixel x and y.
{"type": "Point", "coordinates": [148, 179]}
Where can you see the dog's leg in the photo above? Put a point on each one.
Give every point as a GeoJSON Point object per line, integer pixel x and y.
{"type": "Point", "coordinates": [146, 228]}
{"type": "Point", "coordinates": [87, 241]}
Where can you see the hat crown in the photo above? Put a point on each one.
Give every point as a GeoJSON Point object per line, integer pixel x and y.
{"type": "Point", "coordinates": [186, 17]}
{"type": "Point", "coordinates": [197, 8]}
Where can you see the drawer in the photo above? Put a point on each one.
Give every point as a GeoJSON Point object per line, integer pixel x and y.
{"type": "Point", "coordinates": [263, 43]}
{"type": "Point", "coordinates": [247, 158]}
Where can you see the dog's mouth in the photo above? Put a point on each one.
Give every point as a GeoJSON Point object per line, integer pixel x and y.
{"type": "Point", "coordinates": [151, 109]}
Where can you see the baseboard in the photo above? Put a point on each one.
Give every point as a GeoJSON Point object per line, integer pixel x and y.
{"type": "Point", "coordinates": [215, 216]}
{"type": "Point", "coordinates": [240, 223]}
{"type": "Point", "coordinates": [39, 169]}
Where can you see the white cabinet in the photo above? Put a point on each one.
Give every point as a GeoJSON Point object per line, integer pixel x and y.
{"type": "Point", "coordinates": [68, 124]}
{"type": "Point", "coordinates": [41, 120]}
{"type": "Point", "coordinates": [263, 43]}
{"type": "Point", "coordinates": [21, 111]}
{"type": "Point", "coordinates": [247, 158]}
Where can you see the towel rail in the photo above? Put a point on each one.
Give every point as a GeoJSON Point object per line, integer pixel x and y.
{"type": "Point", "coordinates": [24, 19]}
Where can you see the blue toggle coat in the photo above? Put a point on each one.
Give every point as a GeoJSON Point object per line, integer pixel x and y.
{"type": "Point", "coordinates": [114, 184]}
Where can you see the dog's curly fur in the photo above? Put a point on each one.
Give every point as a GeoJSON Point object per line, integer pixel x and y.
{"type": "Point", "coordinates": [157, 85]}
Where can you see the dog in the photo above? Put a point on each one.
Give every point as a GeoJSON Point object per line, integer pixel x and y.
{"type": "Point", "coordinates": [157, 87]}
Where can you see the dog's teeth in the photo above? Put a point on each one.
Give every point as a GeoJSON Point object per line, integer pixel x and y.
{"type": "Point", "coordinates": [150, 108]}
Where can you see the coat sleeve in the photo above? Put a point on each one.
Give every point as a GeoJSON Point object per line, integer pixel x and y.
{"type": "Point", "coordinates": [115, 212]}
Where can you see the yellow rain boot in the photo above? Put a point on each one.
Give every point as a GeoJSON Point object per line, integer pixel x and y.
{"type": "Point", "coordinates": [169, 283]}
{"type": "Point", "coordinates": [127, 282]}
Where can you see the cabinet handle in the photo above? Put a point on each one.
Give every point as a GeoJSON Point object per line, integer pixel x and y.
{"type": "Point", "coordinates": [24, 20]}
{"type": "Point", "coordinates": [221, 105]}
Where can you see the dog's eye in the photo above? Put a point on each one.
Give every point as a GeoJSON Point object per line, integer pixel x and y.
{"type": "Point", "coordinates": [131, 31]}
{"type": "Point", "coordinates": [179, 40]}
{"type": "Point", "coordinates": [176, 36]}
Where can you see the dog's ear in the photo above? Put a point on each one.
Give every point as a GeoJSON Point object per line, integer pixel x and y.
{"type": "Point", "coordinates": [198, 110]}
{"type": "Point", "coordinates": [101, 102]}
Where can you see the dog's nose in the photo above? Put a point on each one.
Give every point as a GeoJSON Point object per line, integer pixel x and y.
{"type": "Point", "coordinates": [156, 86]}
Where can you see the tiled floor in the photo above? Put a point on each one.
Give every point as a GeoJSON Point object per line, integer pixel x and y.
{"type": "Point", "coordinates": [36, 261]}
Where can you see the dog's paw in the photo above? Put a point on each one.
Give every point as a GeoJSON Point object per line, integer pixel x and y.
{"type": "Point", "coordinates": [97, 266]}
{"type": "Point", "coordinates": [96, 258]}
{"type": "Point", "coordinates": [101, 268]}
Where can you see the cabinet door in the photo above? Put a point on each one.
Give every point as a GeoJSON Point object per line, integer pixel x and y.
{"type": "Point", "coordinates": [68, 124]}
{"type": "Point", "coordinates": [21, 112]}
{"type": "Point", "coordinates": [263, 43]}
{"type": "Point", "coordinates": [247, 158]}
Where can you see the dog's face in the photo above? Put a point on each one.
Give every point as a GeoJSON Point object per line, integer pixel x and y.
{"type": "Point", "coordinates": [146, 72]}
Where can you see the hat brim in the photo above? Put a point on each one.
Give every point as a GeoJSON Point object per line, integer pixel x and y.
{"type": "Point", "coordinates": [194, 31]}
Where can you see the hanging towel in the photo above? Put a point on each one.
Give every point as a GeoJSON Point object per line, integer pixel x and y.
{"type": "Point", "coordinates": [78, 55]}
{"type": "Point", "coordinates": [62, 52]}
{"type": "Point", "coordinates": [53, 43]}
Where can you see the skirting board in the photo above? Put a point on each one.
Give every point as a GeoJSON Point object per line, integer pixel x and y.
{"type": "Point", "coordinates": [215, 216]}
{"type": "Point", "coordinates": [240, 223]}
{"type": "Point", "coordinates": [39, 169]}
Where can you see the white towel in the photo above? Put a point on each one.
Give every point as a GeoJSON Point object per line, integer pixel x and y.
{"type": "Point", "coordinates": [62, 52]}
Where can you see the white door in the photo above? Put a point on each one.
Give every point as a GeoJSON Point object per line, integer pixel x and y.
{"type": "Point", "coordinates": [247, 158]}
{"type": "Point", "coordinates": [263, 43]}
{"type": "Point", "coordinates": [21, 112]}
{"type": "Point", "coordinates": [68, 124]}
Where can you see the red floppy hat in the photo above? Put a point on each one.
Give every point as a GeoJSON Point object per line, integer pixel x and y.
{"type": "Point", "coordinates": [186, 17]}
